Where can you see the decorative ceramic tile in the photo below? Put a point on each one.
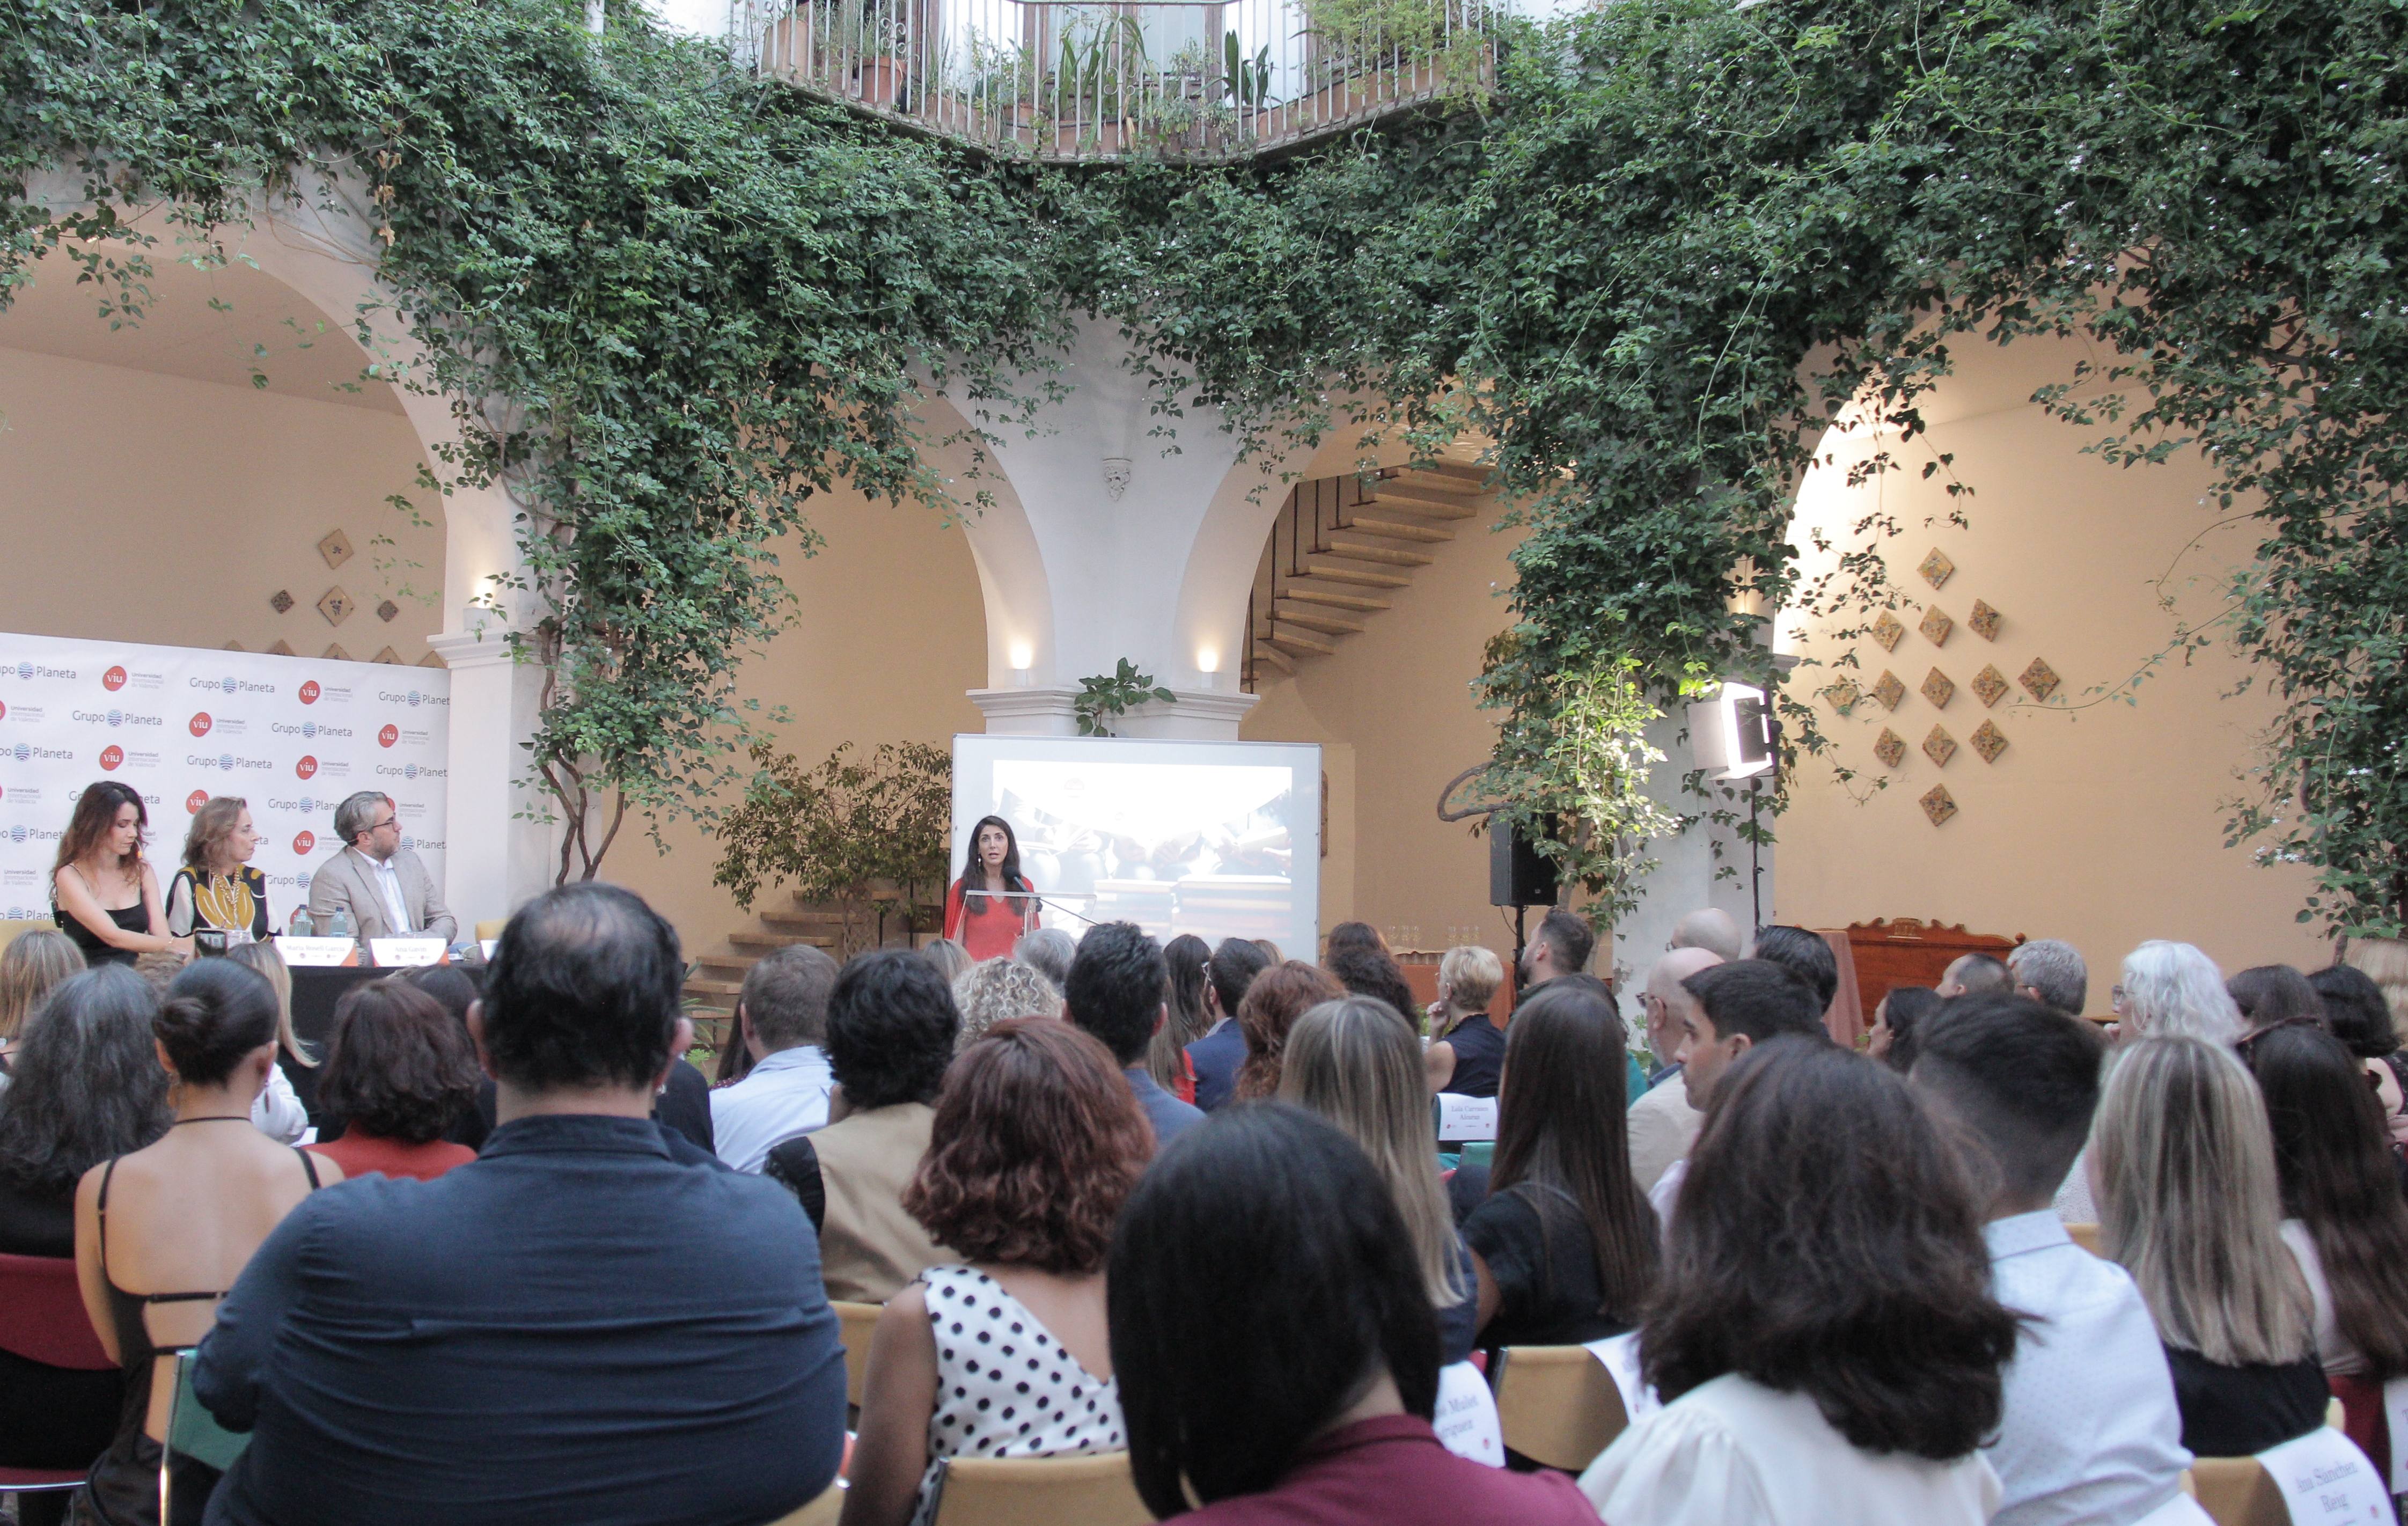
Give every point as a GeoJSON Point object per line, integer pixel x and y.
{"type": "Point", "coordinates": [1939, 804]}
{"type": "Point", "coordinates": [1889, 630]}
{"type": "Point", "coordinates": [1984, 621]}
{"type": "Point", "coordinates": [1937, 627]}
{"type": "Point", "coordinates": [335, 605]}
{"type": "Point", "coordinates": [1990, 683]}
{"type": "Point", "coordinates": [1890, 748]}
{"type": "Point", "coordinates": [1939, 689]}
{"type": "Point", "coordinates": [386, 611]}
{"type": "Point", "coordinates": [235, 646]}
{"type": "Point", "coordinates": [1843, 695]}
{"type": "Point", "coordinates": [335, 652]}
{"type": "Point", "coordinates": [2040, 678]}
{"type": "Point", "coordinates": [279, 601]}
{"type": "Point", "coordinates": [1940, 747]}
{"type": "Point", "coordinates": [1990, 741]}
{"type": "Point", "coordinates": [1888, 690]}
{"type": "Point", "coordinates": [278, 648]}
{"type": "Point", "coordinates": [335, 547]}
{"type": "Point", "coordinates": [433, 659]}
{"type": "Point", "coordinates": [388, 655]}
{"type": "Point", "coordinates": [1937, 568]}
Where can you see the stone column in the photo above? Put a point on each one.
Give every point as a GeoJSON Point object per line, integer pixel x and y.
{"type": "Point", "coordinates": [493, 861]}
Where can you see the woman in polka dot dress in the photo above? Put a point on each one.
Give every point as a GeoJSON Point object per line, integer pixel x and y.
{"type": "Point", "coordinates": [1039, 1142]}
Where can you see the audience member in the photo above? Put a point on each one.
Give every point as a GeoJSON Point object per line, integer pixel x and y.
{"type": "Point", "coordinates": [2346, 1223]}
{"type": "Point", "coordinates": [1217, 1055]}
{"type": "Point", "coordinates": [31, 966]}
{"type": "Point", "coordinates": [1355, 1061]}
{"type": "Point", "coordinates": [1561, 946]}
{"type": "Point", "coordinates": [1351, 937]}
{"type": "Point", "coordinates": [2175, 990]}
{"type": "Point", "coordinates": [998, 991]}
{"type": "Point", "coordinates": [1897, 1022]}
{"type": "Point", "coordinates": [1314, 1405]}
{"type": "Point", "coordinates": [1467, 1048]}
{"type": "Point", "coordinates": [1049, 952]}
{"type": "Point", "coordinates": [1565, 1247]}
{"type": "Point", "coordinates": [1274, 1001]}
{"type": "Point", "coordinates": [1118, 992]}
{"type": "Point", "coordinates": [532, 1319]}
{"type": "Point", "coordinates": [1825, 1343]}
{"type": "Point", "coordinates": [2186, 1177]}
{"type": "Point", "coordinates": [217, 891]}
{"type": "Point", "coordinates": [1664, 1123]}
{"type": "Point", "coordinates": [1270, 951]}
{"type": "Point", "coordinates": [1041, 1145]}
{"type": "Point", "coordinates": [683, 1102]}
{"type": "Point", "coordinates": [375, 881]}
{"type": "Point", "coordinates": [88, 1088]}
{"type": "Point", "coordinates": [1804, 955]}
{"type": "Point", "coordinates": [1732, 1008]}
{"type": "Point", "coordinates": [160, 1232]}
{"type": "Point", "coordinates": [782, 1017]}
{"type": "Point", "coordinates": [2091, 1432]}
{"type": "Point", "coordinates": [456, 990]}
{"type": "Point", "coordinates": [891, 1025]}
{"type": "Point", "coordinates": [2050, 972]}
{"type": "Point", "coordinates": [1374, 972]}
{"type": "Point", "coordinates": [951, 959]}
{"type": "Point", "coordinates": [1186, 960]}
{"type": "Point", "coordinates": [2268, 994]}
{"type": "Point", "coordinates": [2384, 961]}
{"type": "Point", "coordinates": [103, 893]}
{"type": "Point", "coordinates": [279, 1111]}
{"type": "Point", "coordinates": [1712, 930]}
{"type": "Point", "coordinates": [1974, 975]}
{"type": "Point", "coordinates": [2357, 1016]}
{"type": "Point", "coordinates": [398, 1071]}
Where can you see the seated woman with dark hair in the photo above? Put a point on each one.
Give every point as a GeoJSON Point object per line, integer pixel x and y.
{"type": "Point", "coordinates": [398, 1071]}
{"type": "Point", "coordinates": [891, 1023]}
{"type": "Point", "coordinates": [1899, 1013]}
{"type": "Point", "coordinates": [2358, 1016]}
{"type": "Point", "coordinates": [1042, 1141]}
{"type": "Point", "coordinates": [1272, 1333]}
{"type": "Point", "coordinates": [456, 990]}
{"type": "Point", "coordinates": [1825, 1342]}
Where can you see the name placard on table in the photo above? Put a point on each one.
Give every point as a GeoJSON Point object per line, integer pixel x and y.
{"type": "Point", "coordinates": [406, 953]}
{"type": "Point", "coordinates": [318, 953]}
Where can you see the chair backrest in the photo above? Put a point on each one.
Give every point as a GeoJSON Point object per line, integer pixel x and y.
{"type": "Point", "coordinates": [2086, 1236]}
{"type": "Point", "coordinates": [42, 1317]}
{"type": "Point", "coordinates": [822, 1511]}
{"type": "Point", "coordinates": [855, 1322]}
{"type": "Point", "coordinates": [2238, 1492]}
{"type": "Point", "coordinates": [1091, 1490]}
{"type": "Point", "coordinates": [1557, 1404]}
{"type": "Point", "coordinates": [192, 1431]}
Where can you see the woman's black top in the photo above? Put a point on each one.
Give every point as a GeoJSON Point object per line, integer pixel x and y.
{"type": "Point", "coordinates": [51, 1417]}
{"type": "Point", "coordinates": [2242, 1409]}
{"type": "Point", "coordinates": [1479, 1057]}
{"type": "Point", "coordinates": [134, 918]}
{"type": "Point", "coordinates": [1541, 1257]}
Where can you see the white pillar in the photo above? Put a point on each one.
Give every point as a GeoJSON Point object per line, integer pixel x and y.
{"type": "Point", "coordinates": [493, 861]}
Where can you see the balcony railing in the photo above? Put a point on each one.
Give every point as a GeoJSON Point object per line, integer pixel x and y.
{"type": "Point", "coordinates": [1064, 81]}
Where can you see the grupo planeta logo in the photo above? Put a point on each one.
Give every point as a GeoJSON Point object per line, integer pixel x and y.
{"type": "Point", "coordinates": [111, 756]}
{"type": "Point", "coordinates": [303, 842]}
{"type": "Point", "coordinates": [113, 679]}
{"type": "Point", "coordinates": [309, 691]}
{"type": "Point", "coordinates": [388, 734]}
{"type": "Point", "coordinates": [201, 724]}
{"type": "Point", "coordinates": [193, 801]}
{"type": "Point", "coordinates": [306, 768]}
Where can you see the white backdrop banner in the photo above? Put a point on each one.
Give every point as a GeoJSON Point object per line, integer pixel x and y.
{"type": "Point", "coordinates": [293, 736]}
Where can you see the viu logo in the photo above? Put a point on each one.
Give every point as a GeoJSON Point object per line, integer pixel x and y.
{"type": "Point", "coordinates": [306, 769]}
{"type": "Point", "coordinates": [201, 724]}
{"type": "Point", "coordinates": [310, 692]}
{"type": "Point", "coordinates": [193, 801]}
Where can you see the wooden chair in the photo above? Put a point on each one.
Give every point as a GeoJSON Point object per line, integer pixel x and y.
{"type": "Point", "coordinates": [42, 1319]}
{"type": "Point", "coordinates": [1557, 1404]}
{"type": "Point", "coordinates": [2086, 1236]}
{"type": "Point", "coordinates": [854, 1321]}
{"type": "Point", "coordinates": [1091, 1490]}
{"type": "Point", "coordinates": [2237, 1491]}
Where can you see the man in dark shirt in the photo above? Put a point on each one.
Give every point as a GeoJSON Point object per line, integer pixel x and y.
{"type": "Point", "coordinates": [1118, 990]}
{"type": "Point", "coordinates": [523, 1339]}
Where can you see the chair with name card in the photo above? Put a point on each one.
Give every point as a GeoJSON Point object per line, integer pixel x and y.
{"type": "Point", "coordinates": [1094, 1489]}
{"type": "Point", "coordinates": [1557, 1404]}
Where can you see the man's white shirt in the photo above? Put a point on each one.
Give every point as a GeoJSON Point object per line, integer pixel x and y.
{"type": "Point", "coordinates": [784, 1095]}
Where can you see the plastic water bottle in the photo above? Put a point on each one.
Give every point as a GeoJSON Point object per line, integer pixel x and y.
{"type": "Point", "coordinates": [301, 927]}
{"type": "Point", "coordinates": [339, 924]}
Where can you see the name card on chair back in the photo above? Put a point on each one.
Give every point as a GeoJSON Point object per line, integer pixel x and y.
{"type": "Point", "coordinates": [1462, 1118]}
{"type": "Point", "coordinates": [2327, 1481]}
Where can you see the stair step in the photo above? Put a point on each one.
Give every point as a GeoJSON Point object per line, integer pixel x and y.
{"type": "Point", "coordinates": [702, 986]}
{"type": "Point", "coordinates": [739, 963]}
{"type": "Point", "coordinates": [1363, 551]}
{"type": "Point", "coordinates": [1314, 619]}
{"type": "Point", "coordinates": [766, 942]}
{"type": "Point", "coordinates": [804, 926]}
{"type": "Point", "coordinates": [1458, 476]}
{"type": "Point", "coordinates": [1264, 652]}
{"type": "Point", "coordinates": [1397, 529]}
{"type": "Point", "coordinates": [1415, 501]}
{"type": "Point", "coordinates": [1305, 593]}
{"type": "Point", "coordinates": [1296, 643]}
{"type": "Point", "coordinates": [1339, 572]}
{"type": "Point", "coordinates": [804, 911]}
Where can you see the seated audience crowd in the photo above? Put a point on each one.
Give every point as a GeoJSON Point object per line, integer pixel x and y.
{"type": "Point", "coordinates": [1185, 1202]}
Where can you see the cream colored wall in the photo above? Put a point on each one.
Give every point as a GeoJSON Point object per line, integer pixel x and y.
{"type": "Point", "coordinates": [155, 508]}
{"type": "Point", "coordinates": [2103, 823]}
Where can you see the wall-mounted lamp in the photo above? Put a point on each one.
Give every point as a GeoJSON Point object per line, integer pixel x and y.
{"type": "Point", "coordinates": [1733, 733]}
{"type": "Point", "coordinates": [1021, 659]}
{"type": "Point", "coordinates": [1207, 662]}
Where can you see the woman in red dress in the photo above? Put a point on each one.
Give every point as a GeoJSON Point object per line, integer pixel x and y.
{"type": "Point", "coordinates": [986, 924]}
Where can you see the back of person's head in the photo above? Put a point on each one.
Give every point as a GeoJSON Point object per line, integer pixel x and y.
{"type": "Point", "coordinates": [1906, 1009]}
{"type": "Point", "coordinates": [1975, 975]}
{"type": "Point", "coordinates": [85, 1084]}
{"type": "Point", "coordinates": [453, 989]}
{"type": "Point", "coordinates": [1278, 997]}
{"type": "Point", "coordinates": [1759, 998]}
{"type": "Point", "coordinates": [1039, 1142]}
{"type": "Point", "coordinates": [1827, 1243]}
{"type": "Point", "coordinates": [2172, 989]}
{"type": "Point", "coordinates": [1570, 937]}
{"type": "Point", "coordinates": [583, 992]}
{"type": "Point", "coordinates": [268, 961]}
{"type": "Point", "coordinates": [891, 1025]}
{"type": "Point", "coordinates": [1804, 955]}
{"type": "Point", "coordinates": [997, 990]}
{"type": "Point", "coordinates": [31, 967]}
{"type": "Point", "coordinates": [2188, 1205]}
{"type": "Point", "coordinates": [1187, 965]}
{"type": "Point", "coordinates": [2354, 1011]}
{"type": "Point", "coordinates": [1470, 975]}
{"type": "Point", "coordinates": [1235, 965]}
{"type": "Point", "coordinates": [1711, 929]}
{"type": "Point", "coordinates": [1562, 1126]}
{"type": "Point", "coordinates": [2052, 970]}
{"type": "Point", "coordinates": [2338, 1177]}
{"type": "Point", "coordinates": [216, 1013]}
{"type": "Point", "coordinates": [2022, 1078]}
{"type": "Point", "coordinates": [1260, 1282]}
{"type": "Point", "coordinates": [2268, 994]}
{"type": "Point", "coordinates": [1372, 972]}
{"type": "Point", "coordinates": [398, 1065]}
{"type": "Point", "coordinates": [1049, 952]}
{"type": "Point", "coordinates": [1348, 935]}
{"type": "Point", "coordinates": [1357, 1063]}
{"type": "Point", "coordinates": [1118, 987]}
{"type": "Point", "coordinates": [950, 958]}
{"type": "Point", "coordinates": [1270, 951]}
{"type": "Point", "coordinates": [786, 996]}
{"type": "Point", "coordinates": [2384, 961]}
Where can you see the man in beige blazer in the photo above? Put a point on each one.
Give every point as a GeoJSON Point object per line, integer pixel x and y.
{"type": "Point", "coordinates": [383, 887]}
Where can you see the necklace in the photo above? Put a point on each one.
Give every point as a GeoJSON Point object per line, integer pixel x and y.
{"type": "Point", "coordinates": [213, 1117]}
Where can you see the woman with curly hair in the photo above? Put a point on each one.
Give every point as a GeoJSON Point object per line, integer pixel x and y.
{"type": "Point", "coordinates": [1276, 999]}
{"type": "Point", "coordinates": [399, 1072]}
{"type": "Point", "coordinates": [998, 991]}
{"type": "Point", "coordinates": [1041, 1145]}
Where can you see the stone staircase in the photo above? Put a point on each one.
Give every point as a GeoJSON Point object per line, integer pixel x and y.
{"type": "Point", "coordinates": [718, 977]}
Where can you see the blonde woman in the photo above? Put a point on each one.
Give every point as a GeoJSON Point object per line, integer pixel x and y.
{"type": "Point", "coordinates": [278, 1110]}
{"type": "Point", "coordinates": [1469, 1051]}
{"type": "Point", "coordinates": [998, 991]}
{"type": "Point", "coordinates": [1357, 1063]}
{"type": "Point", "coordinates": [217, 889]}
{"type": "Point", "coordinates": [31, 966]}
{"type": "Point", "coordinates": [2183, 1168]}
